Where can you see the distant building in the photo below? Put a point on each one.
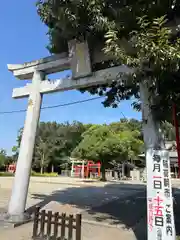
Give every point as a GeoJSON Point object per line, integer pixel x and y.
{"type": "Point", "coordinates": [171, 146]}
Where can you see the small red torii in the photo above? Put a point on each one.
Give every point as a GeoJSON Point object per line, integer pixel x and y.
{"type": "Point", "coordinates": [89, 168]}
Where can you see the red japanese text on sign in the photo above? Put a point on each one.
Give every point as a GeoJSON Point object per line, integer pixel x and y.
{"type": "Point", "coordinates": [150, 215]}
{"type": "Point", "coordinates": [158, 208]}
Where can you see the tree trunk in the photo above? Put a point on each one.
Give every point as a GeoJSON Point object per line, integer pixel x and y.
{"type": "Point", "coordinates": [152, 132]}
{"type": "Point", "coordinates": [41, 171]}
{"type": "Point", "coordinates": [103, 172]}
{"type": "Point", "coordinates": [52, 168]}
{"type": "Point", "coordinates": [42, 164]}
{"type": "Point", "coordinates": [123, 171]}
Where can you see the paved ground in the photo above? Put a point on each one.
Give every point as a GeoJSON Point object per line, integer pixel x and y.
{"type": "Point", "coordinates": [121, 206]}
{"type": "Point", "coordinates": [73, 197]}
{"type": "Point", "coordinates": [89, 232]}
{"type": "Point", "coordinates": [65, 197]}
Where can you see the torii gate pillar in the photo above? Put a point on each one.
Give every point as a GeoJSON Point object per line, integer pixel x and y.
{"type": "Point", "coordinates": [17, 202]}
{"type": "Point", "coordinates": [36, 71]}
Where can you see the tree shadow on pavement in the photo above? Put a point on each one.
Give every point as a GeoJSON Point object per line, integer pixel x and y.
{"type": "Point", "coordinates": [114, 204]}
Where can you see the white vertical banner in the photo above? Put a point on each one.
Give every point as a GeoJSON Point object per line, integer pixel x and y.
{"type": "Point", "coordinates": [160, 215]}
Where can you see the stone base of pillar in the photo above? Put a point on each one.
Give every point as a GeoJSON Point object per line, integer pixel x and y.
{"type": "Point", "coordinates": [8, 220]}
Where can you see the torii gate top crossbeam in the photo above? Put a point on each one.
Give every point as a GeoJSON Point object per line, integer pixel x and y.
{"type": "Point", "coordinates": [48, 65]}
{"type": "Point", "coordinates": [65, 84]}
{"type": "Point", "coordinates": [77, 59]}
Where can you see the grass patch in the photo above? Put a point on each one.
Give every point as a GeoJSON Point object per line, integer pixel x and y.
{"type": "Point", "coordinates": [34, 174]}
{"type": "Point", "coordinates": [6, 174]}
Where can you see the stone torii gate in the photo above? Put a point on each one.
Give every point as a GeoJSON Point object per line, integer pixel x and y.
{"type": "Point", "coordinates": [78, 61]}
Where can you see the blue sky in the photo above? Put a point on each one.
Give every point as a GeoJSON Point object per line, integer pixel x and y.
{"type": "Point", "coordinates": [23, 38]}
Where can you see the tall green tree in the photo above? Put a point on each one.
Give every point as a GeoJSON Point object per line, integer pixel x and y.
{"type": "Point", "coordinates": [3, 157]}
{"type": "Point", "coordinates": [143, 35]}
{"type": "Point", "coordinates": [127, 124]}
{"type": "Point", "coordinates": [102, 143]}
{"type": "Point", "coordinates": [169, 131]}
{"type": "Point", "coordinates": [67, 137]}
{"type": "Point", "coordinates": [43, 150]}
{"type": "Point", "coordinates": [54, 143]}
{"type": "Point", "coordinates": [134, 33]}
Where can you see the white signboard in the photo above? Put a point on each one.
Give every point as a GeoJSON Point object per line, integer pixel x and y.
{"type": "Point", "coordinates": [160, 216]}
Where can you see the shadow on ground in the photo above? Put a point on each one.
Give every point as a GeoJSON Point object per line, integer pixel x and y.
{"type": "Point", "coordinates": [129, 211]}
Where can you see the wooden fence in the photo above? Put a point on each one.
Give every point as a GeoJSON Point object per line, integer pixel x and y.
{"type": "Point", "coordinates": [49, 225]}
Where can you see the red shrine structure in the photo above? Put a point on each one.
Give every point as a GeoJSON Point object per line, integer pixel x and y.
{"type": "Point", "coordinates": [86, 169]}
{"type": "Point", "coordinates": [11, 168]}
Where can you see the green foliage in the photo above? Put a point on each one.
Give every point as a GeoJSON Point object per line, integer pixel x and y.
{"type": "Point", "coordinates": [35, 174]}
{"type": "Point", "coordinates": [6, 174]}
{"type": "Point", "coordinates": [54, 144]}
{"type": "Point", "coordinates": [125, 124]}
{"type": "Point", "coordinates": [155, 59]}
{"type": "Point", "coordinates": [134, 33]}
{"type": "Point", "coordinates": [153, 48]}
{"type": "Point", "coordinates": [169, 131]}
{"type": "Point", "coordinates": [102, 143]}
{"type": "Point", "coordinates": [44, 145]}
{"type": "Point", "coordinates": [5, 160]}
{"type": "Point", "coordinates": [3, 157]}
{"type": "Point", "coordinates": [15, 149]}
{"type": "Point", "coordinates": [92, 18]}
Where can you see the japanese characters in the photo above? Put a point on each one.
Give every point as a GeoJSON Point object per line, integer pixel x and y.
{"type": "Point", "coordinates": [159, 197]}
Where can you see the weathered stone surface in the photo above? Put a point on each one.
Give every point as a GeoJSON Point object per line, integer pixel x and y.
{"type": "Point", "coordinates": [48, 65]}
{"type": "Point", "coordinates": [64, 84]}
